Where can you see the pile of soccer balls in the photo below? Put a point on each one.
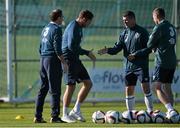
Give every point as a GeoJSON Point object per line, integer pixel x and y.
{"type": "Point", "coordinates": [114, 117]}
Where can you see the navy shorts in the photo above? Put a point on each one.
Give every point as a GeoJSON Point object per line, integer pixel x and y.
{"type": "Point", "coordinates": [163, 75]}
{"type": "Point", "coordinates": [76, 73]}
{"type": "Point", "coordinates": [131, 77]}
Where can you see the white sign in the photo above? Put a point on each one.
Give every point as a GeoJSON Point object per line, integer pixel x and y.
{"type": "Point", "coordinates": [112, 80]}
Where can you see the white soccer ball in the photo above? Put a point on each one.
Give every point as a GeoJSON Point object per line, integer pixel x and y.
{"type": "Point", "coordinates": [158, 116]}
{"type": "Point", "coordinates": [112, 117]}
{"type": "Point", "coordinates": [127, 117]}
{"type": "Point", "coordinates": [143, 117]}
{"type": "Point", "coordinates": [134, 113]}
{"type": "Point", "coordinates": [98, 117]}
{"type": "Point", "coordinates": [173, 117]}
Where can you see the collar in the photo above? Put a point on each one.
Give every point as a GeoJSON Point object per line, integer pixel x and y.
{"type": "Point", "coordinates": [162, 21]}
{"type": "Point", "coordinates": [133, 28]}
{"type": "Point", "coordinates": [54, 23]}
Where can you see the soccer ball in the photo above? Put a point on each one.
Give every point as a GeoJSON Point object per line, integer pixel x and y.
{"type": "Point", "coordinates": [158, 116]}
{"type": "Point", "coordinates": [112, 117]}
{"type": "Point", "coordinates": [143, 117]}
{"type": "Point", "coordinates": [98, 117]}
{"type": "Point", "coordinates": [173, 117]}
{"type": "Point", "coordinates": [134, 113]}
{"type": "Point", "coordinates": [127, 117]}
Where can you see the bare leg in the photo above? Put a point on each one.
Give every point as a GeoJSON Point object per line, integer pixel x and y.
{"type": "Point", "coordinates": [76, 113]}
{"type": "Point", "coordinates": [160, 94]}
{"type": "Point", "coordinates": [146, 88]}
{"type": "Point", "coordinates": [168, 92]}
{"type": "Point", "coordinates": [66, 102]}
{"type": "Point", "coordinates": [87, 84]}
{"type": "Point", "coordinates": [68, 95]}
{"type": "Point", "coordinates": [67, 98]}
{"type": "Point", "coordinates": [130, 90]}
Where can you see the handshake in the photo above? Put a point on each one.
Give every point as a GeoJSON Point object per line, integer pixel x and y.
{"type": "Point", "coordinates": [105, 50]}
{"type": "Point", "coordinates": [100, 52]}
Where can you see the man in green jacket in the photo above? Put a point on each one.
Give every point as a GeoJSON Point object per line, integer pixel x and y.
{"type": "Point", "coordinates": [133, 38]}
{"type": "Point", "coordinates": [162, 41]}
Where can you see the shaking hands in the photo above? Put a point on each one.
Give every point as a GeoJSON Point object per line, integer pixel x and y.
{"type": "Point", "coordinates": [92, 56]}
{"type": "Point", "coordinates": [103, 51]}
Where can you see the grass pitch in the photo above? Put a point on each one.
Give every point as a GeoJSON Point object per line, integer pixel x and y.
{"type": "Point", "coordinates": [8, 112]}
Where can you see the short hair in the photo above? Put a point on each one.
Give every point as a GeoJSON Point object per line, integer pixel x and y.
{"type": "Point", "coordinates": [55, 14]}
{"type": "Point", "coordinates": [86, 14]}
{"type": "Point", "coordinates": [160, 12]}
{"type": "Point", "coordinates": [129, 14]}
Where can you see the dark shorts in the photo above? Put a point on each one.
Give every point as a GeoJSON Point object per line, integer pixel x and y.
{"type": "Point", "coordinates": [76, 73]}
{"type": "Point", "coordinates": [131, 77]}
{"type": "Point", "coordinates": [163, 75]}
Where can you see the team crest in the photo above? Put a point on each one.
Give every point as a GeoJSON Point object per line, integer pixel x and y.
{"type": "Point", "coordinates": [126, 37]}
{"type": "Point", "coordinates": [150, 36]}
{"type": "Point", "coordinates": [137, 35]}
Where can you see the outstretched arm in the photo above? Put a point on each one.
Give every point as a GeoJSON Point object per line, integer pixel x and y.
{"type": "Point", "coordinates": [117, 47]}
{"type": "Point", "coordinates": [103, 51]}
{"type": "Point", "coordinates": [92, 56]}
{"type": "Point", "coordinates": [112, 51]}
{"type": "Point", "coordinates": [151, 45]}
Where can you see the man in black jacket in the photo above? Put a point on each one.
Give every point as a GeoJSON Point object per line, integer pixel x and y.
{"type": "Point", "coordinates": [162, 41]}
{"type": "Point", "coordinates": [133, 38]}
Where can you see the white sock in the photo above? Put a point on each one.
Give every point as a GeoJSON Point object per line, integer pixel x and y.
{"type": "Point", "coordinates": [130, 102]}
{"type": "Point", "coordinates": [149, 102]}
{"type": "Point", "coordinates": [169, 107]}
{"type": "Point", "coordinates": [65, 111]}
{"type": "Point", "coordinates": [77, 107]}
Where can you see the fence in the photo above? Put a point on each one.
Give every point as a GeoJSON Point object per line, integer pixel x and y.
{"type": "Point", "coordinates": [29, 16]}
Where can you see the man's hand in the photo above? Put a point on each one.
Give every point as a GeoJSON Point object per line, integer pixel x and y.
{"type": "Point", "coordinates": [131, 57]}
{"type": "Point", "coordinates": [103, 51]}
{"type": "Point", "coordinates": [65, 67]}
{"type": "Point", "coordinates": [92, 56]}
{"type": "Point", "coordinates": [154, 50]}
{"type": "Point", "coordinates": [64, 63]}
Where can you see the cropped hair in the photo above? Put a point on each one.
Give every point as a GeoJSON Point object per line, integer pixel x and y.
{"type": "Point", "coordinates": [160, 12]}
{"type": "Point", "coordinates": [55, 14]}
{"type": "Point", "coordinates": [86, 14]}
{"type": "Point", "coordinates": [129, 14]}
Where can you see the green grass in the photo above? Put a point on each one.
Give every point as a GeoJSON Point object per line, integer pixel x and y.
{"type": "Point", "coordinates": [27, 48]}
{"type": "Point", "coordinates": [8, 113]}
